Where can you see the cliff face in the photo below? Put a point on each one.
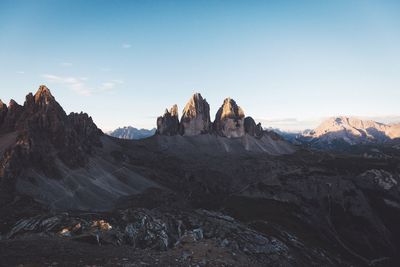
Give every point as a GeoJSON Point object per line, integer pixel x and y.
{"type": "Point", "coordinates": [168, 124]}
{"type": "Point", "coordinates": [196, 117]}
{"type": "Point", "coordinates": [251, 128]}
{"type": "Point", "coordinates": [229, 120]}
{"type": "Point", "coordinates": [43, 133]}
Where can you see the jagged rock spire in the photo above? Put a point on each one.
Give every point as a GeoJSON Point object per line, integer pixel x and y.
{"type": "Point", "coordinates": [168, 124]}
{"type": "Point", "coordinates": [251, 128]}
{"type": "Point", "coordinates": [43, 96]}
{"type": "Point", "coordinates": [3, 112]}
{"type": "Point", "coordinates": [229, 119]}
{"type": "Point", "coordinates": [11, 115]}
{"type": "Point", "coordinates": [196, 116]}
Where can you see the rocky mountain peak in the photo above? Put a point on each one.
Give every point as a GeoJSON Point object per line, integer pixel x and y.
{"type": "Point", "coordinates": [196, 116]}
{"type": "Point", "coordinates": [168, 124]}
{"type": "Point", "coordinates": [43, 96]}
{"type": "Point", "coordinates": [13, 104]}
{"type": "Point", "coordinates": [251, 128]}
{"type": "Point", "coordinates": [230, 109]}
{"type": "Point", "coordinates": [3, 112]}
{"type": "Point", "coordinates": [229, 120]}
{"type": "Point", "coordinates": [11, 114]}
{"type": "Point", "coordinates": [174, 110]}
{"type": "Point", "coordinates": [350, 130]}
{"type": "Point", "coordinates": [351, 125]}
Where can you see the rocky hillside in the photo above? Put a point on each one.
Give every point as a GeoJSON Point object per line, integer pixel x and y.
{"type": "Point", "coordinates": [187, 200]}
{"type": "Point", "coordinates": [129, 132]}
{"type": "Point", "coordinates": [51, 156]}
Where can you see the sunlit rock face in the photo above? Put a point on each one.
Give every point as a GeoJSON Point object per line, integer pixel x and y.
{"type": "Point", "coordinates": [229, 120]}
{"type": "Point", "coordinates": [196, 117]}
{"type": "Point", "coordinates": [168, 124]}
{"type": "Point", "coordinates": [251, 128]}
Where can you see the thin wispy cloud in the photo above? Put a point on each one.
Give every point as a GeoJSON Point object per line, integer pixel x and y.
{"type": "Point", "coordinates": [75, 84]}
{"type": "Point", "coordinates": [65, 64]}
{"type": "Point", "coordinates": [20, 72]}
{"type": "Point", "coordinates": [126, 45]}
{"type": "Point", "coordinates": [79, 84]}
{"type": "Point", "coordinates": [108, 86]}
{"type": "Point", "coordinates": [104, 69]}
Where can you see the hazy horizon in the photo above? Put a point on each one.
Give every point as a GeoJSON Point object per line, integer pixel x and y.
{"type": "Point", "coordinates": [288, 64]}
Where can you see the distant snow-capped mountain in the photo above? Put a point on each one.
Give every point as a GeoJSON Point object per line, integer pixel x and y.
{"type": "Point", "coordinates": [129, 132]}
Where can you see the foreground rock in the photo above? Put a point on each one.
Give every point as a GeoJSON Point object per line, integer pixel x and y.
{"type": "Point", "coordinates": [182, 235]}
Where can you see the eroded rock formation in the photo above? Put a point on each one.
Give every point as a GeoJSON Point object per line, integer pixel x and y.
{"type": "Point", "coordinates": [196, 116]}
{"type": "Point", "coordinates": [168, 124]}
{"type": "Point", "coordinates": [12, 115]}
{"type": "Point", "coordinates": [229, 120]}
{"type": "Point", "coordinates": [3, 112]}
{"type": "Point", "coordinates": [251, 128]}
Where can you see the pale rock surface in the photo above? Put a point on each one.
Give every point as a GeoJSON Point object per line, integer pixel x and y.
{"type": "Point", "coordinates": [229, 120]}
{"type": "Point", "coordinates": [354, 131]}
{"type": "Point", "coordinates": [196, 117]}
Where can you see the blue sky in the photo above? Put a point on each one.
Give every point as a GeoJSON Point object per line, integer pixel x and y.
{"type": "Point", "coordinates": [286, 63]}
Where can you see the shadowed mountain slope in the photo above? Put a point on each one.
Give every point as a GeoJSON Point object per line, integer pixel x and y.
{"type": "Point", "coordinates": [255, 199]}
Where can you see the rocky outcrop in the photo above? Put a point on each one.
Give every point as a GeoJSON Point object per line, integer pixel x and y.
{"type": "Point", "coordinates": [168, 124]}
{"type": "Point", "coordinates": [251, 128]}
{"type": "Point", "coordinates": [44, 134]}
{"type": "Point", "coordinates": [196, 117]}
{"type": "Point", "coordinates": [229, 120]}
{"type": "Point", "coordinates": [85, 128]}
{"type": "Point", "coordinates": [3, 112]}
{"type": "Point", "coordinates": [13, 114]}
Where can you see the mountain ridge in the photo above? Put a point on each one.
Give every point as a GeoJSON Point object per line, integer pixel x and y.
{"type": "Point", "coordinates": [254, 197]}
{"type": "Point", "coordinates": [352, 131]}
{"type": "Point", "coordinates": [130, 132]}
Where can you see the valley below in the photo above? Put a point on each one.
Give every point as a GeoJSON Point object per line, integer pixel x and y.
{"type": "Point", "coordinates": [72, 196]}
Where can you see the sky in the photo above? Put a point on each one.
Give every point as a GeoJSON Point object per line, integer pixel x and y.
{"type": "Point", "coordinates": [288, 64]}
